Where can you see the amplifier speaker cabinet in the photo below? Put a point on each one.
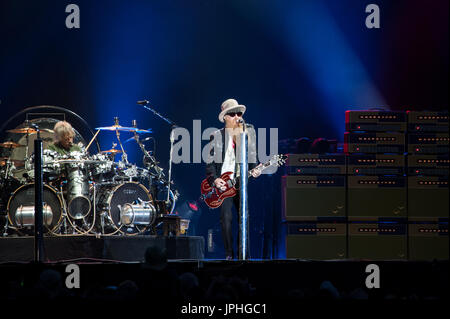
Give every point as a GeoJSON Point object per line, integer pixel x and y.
{"type": "Point", "coordinates": [427, 121]}
{"type": "Point", "coordinates": [428, 143]}
{"type": "Point", "coordinates": [377, 240]}
{"type": "Point", "coordinates": [431, 165]}
{"type": "Point", "coordinates": [309, 197]}
{"type": "Point", "coordinates": [375, 121]}
{"type": "Point", "coordinates": [427, 197]}
{"type": "Point", "coordinates": [315, 164]}
{"type": "Point", "coordinates": [374, 143]}
{"type": "Point", "coordinates": [375, 164]}
{"type": "Point", "coordinates": [376, 196]}
{"type": "Point", "coordinates": [428, 241]}
{"type": "Point", "coordinates": [316, 241]}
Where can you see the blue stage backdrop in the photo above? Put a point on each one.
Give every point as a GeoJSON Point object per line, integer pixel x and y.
{"type": "Point", "coordinates": [296, 65]}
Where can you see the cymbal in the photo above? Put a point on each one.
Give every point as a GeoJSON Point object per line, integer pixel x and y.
{"type": "Point", "coordinates": [29, 130]}
{"type": "Point", "coordinates": [17, 163]}
{"type": "Point", "coordinates": [134, 139]}
{"type": "Point", "coordinates": [112, 151]}
{"type": "Point", "coordinates": [123, 129]}
{"type": "Point", "coordinates": [76, 161]}
{"type": "Point", "coordinates": [140, 131]}
{"type": "Point", "coordinates": [117, 128]}
{"type": "Point", "coordinates": [10, 144]}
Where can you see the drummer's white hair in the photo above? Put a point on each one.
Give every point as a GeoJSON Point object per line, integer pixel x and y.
{"type": "Point", "coordinates": [63, 128]}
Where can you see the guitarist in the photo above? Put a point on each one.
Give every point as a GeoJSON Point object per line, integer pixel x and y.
{"type": "Point", "coordinates": [224, 143]}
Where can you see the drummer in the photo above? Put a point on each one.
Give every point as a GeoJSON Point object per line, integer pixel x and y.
{"type": "Point", "coordinates": [64, 134]}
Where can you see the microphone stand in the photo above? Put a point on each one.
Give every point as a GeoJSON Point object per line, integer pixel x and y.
{"type": "Point", "coordinates": [38, 200]}
{"type": "Point", "coordinates": [172, 138]}
{"type": "Point", "coordinates": [243, 202]}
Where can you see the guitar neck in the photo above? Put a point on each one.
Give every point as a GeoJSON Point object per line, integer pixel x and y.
{"type": "Point", "coordinates": [261, 167]}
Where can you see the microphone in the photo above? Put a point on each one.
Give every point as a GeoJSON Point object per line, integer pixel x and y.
{"type": "Point", "coordinates": [143, 102]}
{"type": "Point", "coordinates": [241, 121]}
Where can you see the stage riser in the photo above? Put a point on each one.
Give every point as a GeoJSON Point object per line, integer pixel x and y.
{"type": "Point", "coordinates": [132, 249]}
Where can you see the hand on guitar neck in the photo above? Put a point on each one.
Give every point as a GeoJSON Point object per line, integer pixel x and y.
{"type": "Point", "coordinates": [256, 171]}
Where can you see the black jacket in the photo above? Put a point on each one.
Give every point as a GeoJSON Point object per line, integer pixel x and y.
{"type": "Point", "coordinates": [217, 153]}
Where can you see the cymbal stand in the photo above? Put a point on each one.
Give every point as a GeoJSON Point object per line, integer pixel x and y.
{"type": "Point", "coordinates": [9, 166]}
{"type": "Point", "coordinates": [172, 123]}
{"type": "Point", "coordinates": [124, 155]}
{"type": "Point", "coordinates": [27, 138]}
{"type": "Point", "coordinates": [147, 155]}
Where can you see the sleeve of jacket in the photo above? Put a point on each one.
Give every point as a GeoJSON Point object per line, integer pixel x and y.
{"type": "Point", "coordinates": [211, 166]}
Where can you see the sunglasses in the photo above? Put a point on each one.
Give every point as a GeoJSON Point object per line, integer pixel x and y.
{"type": "Point", "coordinates": [232, 114]}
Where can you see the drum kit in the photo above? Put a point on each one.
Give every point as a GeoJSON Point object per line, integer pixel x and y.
{"type": "Point", "coordinates": [85, 194]}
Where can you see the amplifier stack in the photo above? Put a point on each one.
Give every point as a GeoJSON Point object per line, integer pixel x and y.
{"type": "Point", "coordinates": [375, 144]}
{"type": "Point", "coordinates": [385, 197]}
{"type": "Point", "coordinates": [428, 193]}
{"type": "Point", "coordinates": [314, 206]}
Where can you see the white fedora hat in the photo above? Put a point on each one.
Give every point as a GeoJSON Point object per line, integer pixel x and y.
{"type": "Point", "coordinates": [231, 105]}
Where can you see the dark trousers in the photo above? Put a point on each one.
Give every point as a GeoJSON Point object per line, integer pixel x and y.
{"type": "Point", "coordinates": [226, 221]}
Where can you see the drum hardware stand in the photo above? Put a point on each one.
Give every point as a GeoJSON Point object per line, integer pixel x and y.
{"type": "Point", "coordinates": [65, 215]}
{"type": "Point", "coordinates": [102, 222]}
{"type": "Point", "coordinates": [153, 163]}
{"type": "Point", "coordinates": [27, 137]}
{"type": "Point", "coordinates": [5, 230]}
{"type": "Point", "coordinates": [9, 168]}
{"type": "Point", "coordinates": [124, 155]}
{"type": "Point", "coordinates": [145, 103]}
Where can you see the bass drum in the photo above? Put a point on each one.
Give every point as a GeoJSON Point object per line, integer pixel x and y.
{"type": "Point", "coordinates": [21, 208]}
{"type": "Point", "coordinates": [115, 201]}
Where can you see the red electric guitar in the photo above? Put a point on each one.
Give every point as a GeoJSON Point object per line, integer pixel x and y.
{"type": "Point", "coordinates": [214, 197]}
